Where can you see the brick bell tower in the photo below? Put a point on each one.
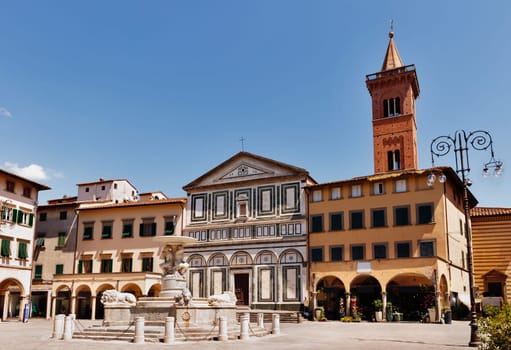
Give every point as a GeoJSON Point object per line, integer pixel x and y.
{"type": "Point", "coordinates": [393, 91]}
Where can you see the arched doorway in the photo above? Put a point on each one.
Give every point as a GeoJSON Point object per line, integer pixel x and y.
{"type": "Point", "coordinates": [83, 303]}
{"type": "Point", "coordinates": [100, 308]}
{"type": "Point", "coordinates": [330, 291]}
{"type": "Point", "coordinates": [11, 293]}
{"type": "Point", "coordinates": [154, 291]}
{"type": "Point", "coordinates": [133, 289]}
{"type": "Point", "coordinates": [63, 301]}
{"type": "Point", "coordinates": [411, 295]}
{"type": "Point", "coordinates": [365, 289]}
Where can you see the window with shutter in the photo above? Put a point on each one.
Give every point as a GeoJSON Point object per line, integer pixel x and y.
{"type": "Point", "coordinates": [6, 248]}
{"type": "Point", "coordinates": [22, 250]}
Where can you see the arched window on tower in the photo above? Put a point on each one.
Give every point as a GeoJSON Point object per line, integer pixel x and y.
{"type": "Point", "coordinates": [391, 107]}
{"type": "Point", "coordinates": [393, 160]}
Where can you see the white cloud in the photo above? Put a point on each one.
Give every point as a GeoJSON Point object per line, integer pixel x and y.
{"type": "Point", "coordinates": [5, 113]}
{"type": "Point", "coordinates": [33, 171]}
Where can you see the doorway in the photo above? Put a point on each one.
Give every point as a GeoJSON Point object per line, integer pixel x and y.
{"type": "Point", "coordinates": [241, 288]}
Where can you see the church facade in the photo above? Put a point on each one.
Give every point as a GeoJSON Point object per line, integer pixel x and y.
{"type": "Point", "coordinates": [248, 215]}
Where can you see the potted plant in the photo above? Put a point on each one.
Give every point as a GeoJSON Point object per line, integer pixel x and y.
{"type": "Point", "coordinates": [378, 310]}
{"type": "Point", "coordinates": [390, 311]}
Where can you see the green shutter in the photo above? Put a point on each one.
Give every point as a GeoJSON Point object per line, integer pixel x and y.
{"type": "Point", "coordinates": [6, 248]}
{"type": "Point", "coordinates": [80, 266]}
{"type": "Point", "coordinates": [20, 217]}
{"type": "Point", "coordinates": [59, 269]}
{"type": "Point", "coordinates": [110, 263]}
{"type": "Point", "coordinates": [38, 273]}
{"type": "Point", "coordinates": [153, 229]}
{"type": "Point", "coordinates": [31, 219]}
{"type": "Point", "coordinates": [14, 215]}
{"type": "Point", "coordinates": [22, 250]}
{"type": "Point", "coordinates": [142, 229]}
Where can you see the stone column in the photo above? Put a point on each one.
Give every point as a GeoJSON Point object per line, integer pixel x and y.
{"type": "Point", "coordinates": [169, 330]}
{"type": "Point", "coordinates": [348, 304]}
{"type": "Point", "coordinates": [49, 308]}
{"type": "Point", "coordinates": [68, 328]}
{"type": "Point", "coordinates": [275, 325]}
{"type": "Point", "coordinates": [222, 329]}
{"type": "Point", "coordinates": [254, 285]}
{"type": "Point", "coordinates": [260, 320]}
{"type": "Point", "coordinates": [58, 327]}
{"type": "Point", "coordinates": [73, 305]}
{"type": "Point", "coordinates": [93, 307]}
{"type": "Point", "coordinates": [6, 305]}
{"type": "Point", "coordinates": [23, 302]}
{"type": "Point", "coordinates": [139, 331]}
{"type": "Point", "coordinates": [438, 304]}
{"type": "Point", "coordinates": [53, 306]}
{"type": "Point", "coordinates": [384, 300]}
{"type": "Point", "coordinates": [244, 320]}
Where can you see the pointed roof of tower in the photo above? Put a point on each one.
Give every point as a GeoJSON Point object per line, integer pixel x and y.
{"type": "Point", "coordinates": [392, 59]}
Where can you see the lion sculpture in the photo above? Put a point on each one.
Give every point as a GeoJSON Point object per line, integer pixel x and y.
{"type": "Point", "coordinates": [112, 296]}
{"type": "Point", "coordinates": [226, 298]}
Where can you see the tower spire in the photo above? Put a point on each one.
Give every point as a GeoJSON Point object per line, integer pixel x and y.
{"type": "Point", "coordinates": [392, 59]}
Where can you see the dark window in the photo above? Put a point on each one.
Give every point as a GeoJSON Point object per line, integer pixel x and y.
{"type": "Point", "coordinates": [27, 192]}
{"type": "Point", "coordinates": [38, 273]}
{"type": "Point", "coordinates": [317, 223]}
{"type": "Point", "coordinates": [169, 227]}
{"type": "Point", "coordinates": [378, 217]}
{"type": "Point", "coordinates": [106, 265]}
{"type": "Point", "coordinates": [316, 254]}
{"type": "Point", "coordinates": [127, 264]}
{"type": "Point", "coordinates": [103, 188]}
{"type": "Point", "coordinates": [63, 215]}
{"type": "Point", "coordinates": [86, 189]}
{"type": "Point", "coordinates": [9, 186]}
{"type": "Point", "coordinates": [336, 222]}
{"type": "Point", "coordinates": [42, 216]}
{"type": "Point", "coordinates": [336, 253]}
{"type": "Point", "coordinates": [402, 216]}
{"type": "Point", "coordinates": [393, 160]}
{"type": "Point", "coordinates": [357, 219]}
{"type": "Point", "coordinates": [85, 266]}
{"type": "Point", "coordinates": [88, 232]}
{"type": "Point", "coordinates": [59, 269]}
{"type": "Point", "coordinates": [427, 248]}
{"type": "Point", "coordinates": [391, 107]}
{"type": "Point", "coordinates": [148, 229]}
{"type": "Point", "coordinates": [380, 251]}
{"type": "Point", "coordinates": [147, 264]}
{"type": "Point", "coordinates": [40, 239]}
{"type": "Point", "coordinates": [357, 252]}
{"type": "Point", "coordinates": [424, 214]}
{"type": "Point", "coordinates": [127, 230]}
{"type": "Point", "coordinates": [107, 231]}
{"type": "Point", "coordinates": [403, 250]}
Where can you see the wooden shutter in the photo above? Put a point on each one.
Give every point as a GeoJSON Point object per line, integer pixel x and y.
{"type": "Point", "coordinates": [31, 219]}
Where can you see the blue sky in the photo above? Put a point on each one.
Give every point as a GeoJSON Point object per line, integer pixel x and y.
{"type": "Point", "coordinates": [159, 92]}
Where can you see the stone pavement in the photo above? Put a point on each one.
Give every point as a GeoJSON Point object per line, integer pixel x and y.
{"type": "Point", "coordinates": [36, 334]}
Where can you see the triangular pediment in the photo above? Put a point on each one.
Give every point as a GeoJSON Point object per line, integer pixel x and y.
{"type": "Point", "coordinates": [244, 167]}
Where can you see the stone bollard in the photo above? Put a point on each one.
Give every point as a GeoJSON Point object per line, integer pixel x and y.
{"type": "Point", "coordinates": [244, 320]}
{"type": "Point", "coordinates": [275, 324]}
{"type": "Point", "coordinates": [169, 330]}
{"type": "Point", "coordinates": [139, 330]}
{"type": "Point", "coordinates": [222, 329]}
{"type": "Point", "coordinates": [68, 328]}
{"type": "Point", "coordinates": [260, 320]}
{"type": "Point", "coordinates": [58, 327]}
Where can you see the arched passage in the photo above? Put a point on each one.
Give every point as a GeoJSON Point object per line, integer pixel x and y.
{"type": "Point", "coordinates": [11, 294]}
{"type": "Point", "coordinates": [100, 309]}
{"type": "Point", "coordinates": [83, 303]}
{"type": "Point", "coordinates": [411, 295]}
{"type": "Point", "coordinates": [364, 290]}
{"type": "Point", "coordinates": [154, 291]}
{"type": "Point", "coordinates": [133, 289]}
{"type": "Point", "coordinates": [63, 301]}
{"type": "Point", "coordinates": [330, 292]}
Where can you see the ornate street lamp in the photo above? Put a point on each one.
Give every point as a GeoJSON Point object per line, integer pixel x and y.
{"type": "Point", "coordinates": [460, 143]}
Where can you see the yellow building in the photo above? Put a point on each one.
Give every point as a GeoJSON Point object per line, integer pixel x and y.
{"type": "Point", "coordinates": [491, 240]}
{"type": "Point", "coordinates": [389, 236]}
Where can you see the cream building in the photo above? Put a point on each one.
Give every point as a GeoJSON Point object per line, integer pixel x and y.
{"type": "Point", "coordinates": [18, 204]}
{"type": "Point", "coordinates": [248, 215]}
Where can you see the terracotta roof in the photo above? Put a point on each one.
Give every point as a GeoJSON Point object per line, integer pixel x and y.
{"type": "Point", "coordinates": [135, 203]}
{"type": "Point", "coordinates": [392, 59]}
{"type": "Point", "coordinates": [486, 211]}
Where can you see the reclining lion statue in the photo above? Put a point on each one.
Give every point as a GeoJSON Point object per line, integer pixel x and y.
{"type": "Point", "coordinates": [112, 296]}
{"type": "Point", "coordinates": [226, 298]}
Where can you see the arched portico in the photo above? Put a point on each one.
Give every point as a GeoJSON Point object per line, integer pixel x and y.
{"type": "Point", "coordinates": [98, 308]}
{"type": "Point", "coordinates": [154, 291]}
{"type": "Point", "coordinates": [12, 299]}
{"type": "Point", "coordinates": [330, 291]}
{"type": "Point", "coordinates": [83, 302]}
{"type": "Point", "coordinates": [133, 289]}
{"type": "Point", "coordinates": [364, 289]}
{"type": "Point", "coordinates": [411, 295]}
